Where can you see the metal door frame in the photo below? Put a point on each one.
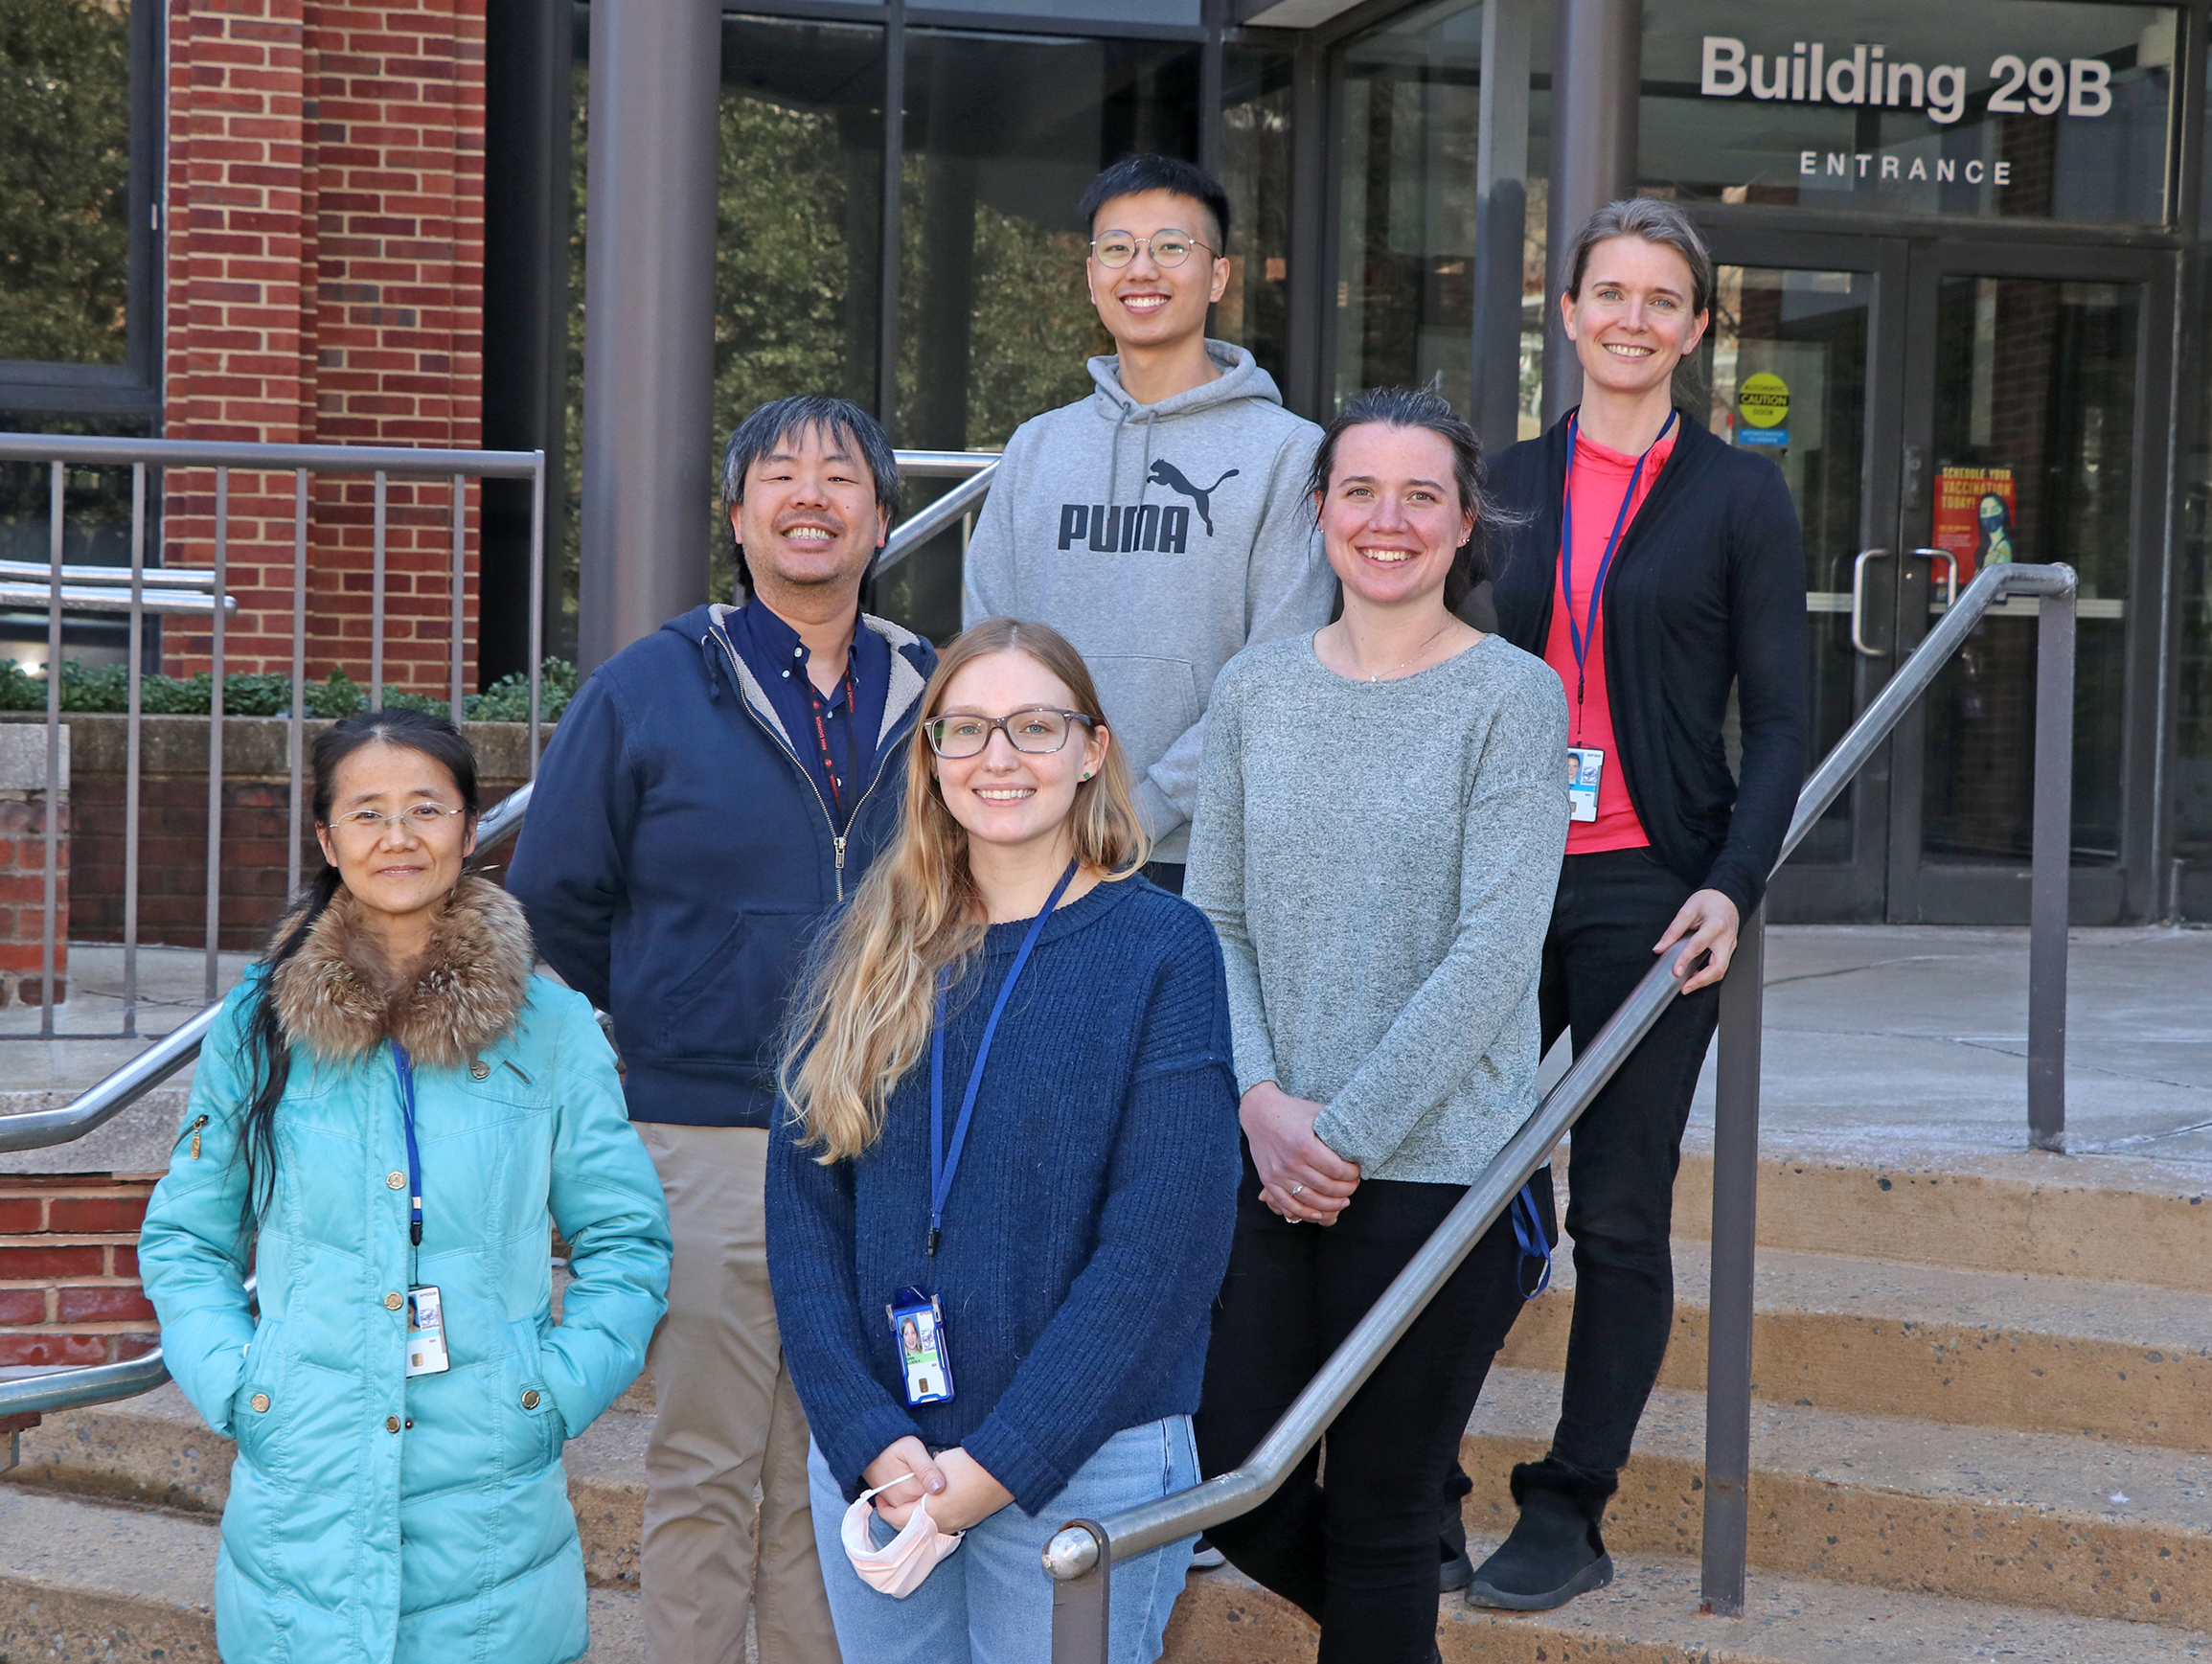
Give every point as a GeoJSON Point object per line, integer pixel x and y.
{"type": "Point", "coordinates": [1996, 893]}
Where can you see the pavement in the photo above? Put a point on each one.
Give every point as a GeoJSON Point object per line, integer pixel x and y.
{"type": "Point", "coordinates": [1901, 1043]}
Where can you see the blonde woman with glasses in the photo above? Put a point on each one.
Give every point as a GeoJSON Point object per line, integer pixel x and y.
{"type": "Point", "coordinates": [1000, 1196]}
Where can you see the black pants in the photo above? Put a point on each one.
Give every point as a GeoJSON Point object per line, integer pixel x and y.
{"type": "Point", "coordinates": [1357, 1554]}
{"type": "Point", "coordinates": [1166, 875]}
{"type": "Point", "coordinates": [1609, 910]}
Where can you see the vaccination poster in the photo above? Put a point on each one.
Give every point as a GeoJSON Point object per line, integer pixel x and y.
{"type": "Point", "coordinates": [1973, 518]}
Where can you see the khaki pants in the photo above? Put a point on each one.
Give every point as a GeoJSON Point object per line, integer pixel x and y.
{"type": "Point", "coordinates": [729, 1424]}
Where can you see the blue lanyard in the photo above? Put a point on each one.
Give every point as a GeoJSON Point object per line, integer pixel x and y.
{"type": "Point", "coordinates": [405, 1065]}
{"type": "Point", "coordinates": [944, 1164]}
{"type": "Point", "coordinates": [1535, 1243]}
{"type": "Point", "coordinates": [1580, 635]}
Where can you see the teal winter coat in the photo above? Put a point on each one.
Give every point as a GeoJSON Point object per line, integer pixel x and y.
{"type": "Point", "coordinates": [374, 1516]}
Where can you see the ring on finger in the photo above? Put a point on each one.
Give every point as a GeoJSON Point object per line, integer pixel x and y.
{"type": "Point", "coordinates": [1294, 1189]}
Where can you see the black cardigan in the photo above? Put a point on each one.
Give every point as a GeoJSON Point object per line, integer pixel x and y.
{"type": "Point", "coordinates": [1706, 589]}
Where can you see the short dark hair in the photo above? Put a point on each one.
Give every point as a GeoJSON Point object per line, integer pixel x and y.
{"type": "Point", "coordinates": [1149, 170]}
{"type": "Point", "coordinates": [1654, 222]}
{"type": "Point", "coordinates": [1418, 407]}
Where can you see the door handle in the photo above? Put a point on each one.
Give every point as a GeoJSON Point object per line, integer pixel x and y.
{"type": "Point", "coordinates": [1859, 603]}
{"type": "Point", "coordinates": [1950, 573]}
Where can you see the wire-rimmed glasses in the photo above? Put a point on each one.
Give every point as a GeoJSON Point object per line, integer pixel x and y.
{"type": "Point", "coordinates": [1170, 247]}
{"type": "Point", "coordinates": [1037, 729]}
{"type": "Point", "coordinates": [419, 819]}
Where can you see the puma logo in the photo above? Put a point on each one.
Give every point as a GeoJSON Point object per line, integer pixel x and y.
{"type": "Point", "coordinates": [1166, 473]}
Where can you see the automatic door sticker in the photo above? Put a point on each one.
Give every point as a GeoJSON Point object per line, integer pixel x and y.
{"type": "Point", "coordinates": [1762, 406]}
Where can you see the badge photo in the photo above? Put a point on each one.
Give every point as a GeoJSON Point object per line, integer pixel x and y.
{"type": "Point", "coordinates": [1586, 768]}
{"type": "Point", "coordinates": [426, 1332]}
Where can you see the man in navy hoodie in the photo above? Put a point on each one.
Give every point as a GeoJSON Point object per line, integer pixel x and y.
{"type": "Point", "coordinates": [711, 794]}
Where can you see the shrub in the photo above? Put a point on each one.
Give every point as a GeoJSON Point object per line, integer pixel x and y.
{"type": "Point", "coordinates": [96, 689]}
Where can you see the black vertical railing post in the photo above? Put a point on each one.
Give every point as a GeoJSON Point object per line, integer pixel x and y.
{"type": "Point", "coordinates": [2051, 857]}
{"type": "Point", "coordinates": [1735, 1240]}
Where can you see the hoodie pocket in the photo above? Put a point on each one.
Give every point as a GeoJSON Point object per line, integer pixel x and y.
{"type": "Point", "coordinates": [1149, 704]}
{"type": "Point", "coordinates": [728, 1007]}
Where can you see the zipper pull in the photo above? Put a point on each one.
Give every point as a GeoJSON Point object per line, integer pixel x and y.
{"type": "Point", "coordinates": [196, 1130]}
{"type": "Point", "coordinates": [840, 842]}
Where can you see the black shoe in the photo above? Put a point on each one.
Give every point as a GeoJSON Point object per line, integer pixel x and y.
{"type": "Point", "coordinates": [1553, 1554]}
{"type": "Point", "coordinates": [1457, 1570]}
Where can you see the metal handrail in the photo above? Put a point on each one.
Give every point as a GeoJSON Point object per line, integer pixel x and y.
{"type": "Point", "coordinates": [1080, 1555]}
{"type": "Point", "coordinates": [912, 532]}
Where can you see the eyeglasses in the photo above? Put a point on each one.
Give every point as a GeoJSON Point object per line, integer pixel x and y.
{"type": "Point", "coordinates": [1115, 249]}
{"type": "Point", "coordinates": [1037, 729]}
{"type": "Point", "coordinates": [419, 819]}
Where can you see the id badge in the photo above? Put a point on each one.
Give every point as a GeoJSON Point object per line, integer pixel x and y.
{"type": "Point", "coordinates": [1586, 765]}
{"type": "Point", "coordinates": [425, 1332]}
{"type": "Point", "coordinates": [925, 1361]}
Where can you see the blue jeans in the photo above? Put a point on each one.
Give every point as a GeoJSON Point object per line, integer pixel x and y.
{"type": "Point", "coordinates": [990, 1601]}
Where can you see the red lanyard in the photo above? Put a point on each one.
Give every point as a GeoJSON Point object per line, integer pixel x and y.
{"type": "Point", "coordinates": [822, 733]}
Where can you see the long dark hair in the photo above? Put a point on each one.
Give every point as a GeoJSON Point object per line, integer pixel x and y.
{"type": "Point", "coordinates": [268, 1053]}
{"type": "Point", "coordinates": [1418, 407]}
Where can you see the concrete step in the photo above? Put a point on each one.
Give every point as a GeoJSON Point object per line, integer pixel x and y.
{"type": "Point", "coordinates": [2035, 1354]}
{"type": "Point", "coordinates": [1650, 1616]}
{"type": "Point", "coordinates": [154, 1449]}
{"type": "Point", "coordinates": [2072, 1525]}
{"type": "Point", "coordinates": [2101, 1218]}
{"type": "Point", "coordinates": [133, 1584]}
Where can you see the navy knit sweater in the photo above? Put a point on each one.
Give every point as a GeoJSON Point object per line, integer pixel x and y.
{"type": "Point", "coordinates": [1089, 1222]}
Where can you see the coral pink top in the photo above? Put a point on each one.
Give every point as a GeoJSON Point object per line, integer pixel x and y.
{"type": "Point", "coordinates": [1599, 477]}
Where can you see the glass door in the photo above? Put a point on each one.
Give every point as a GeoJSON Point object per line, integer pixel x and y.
{"type": "Point", "coordinates": [2031, 403]}
{"type": "Point", "coordinates": [1799, 369]}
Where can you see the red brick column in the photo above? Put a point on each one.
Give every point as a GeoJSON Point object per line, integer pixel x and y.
{"type": "Point", "coordinates": [69, 1291]}
{"type": "Point", "coordinates": [23, 807]}
{"type": "Point", "coordinates": [326, 260]}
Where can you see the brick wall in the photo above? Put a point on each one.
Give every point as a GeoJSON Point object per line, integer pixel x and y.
{"type": "Point", "coordinates": [325, 264]}
{"type": "Point", "coordinates": [23, 900]}
{"type": "Point", "coordinates": [69, 1291]}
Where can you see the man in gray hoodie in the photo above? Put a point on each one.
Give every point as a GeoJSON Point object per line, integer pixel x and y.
{"type": "Point", "coordinates": [1161, 524]}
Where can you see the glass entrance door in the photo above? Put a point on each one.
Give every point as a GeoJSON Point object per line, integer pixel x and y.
{"type": "Point", "coordinates": [1936, 407]}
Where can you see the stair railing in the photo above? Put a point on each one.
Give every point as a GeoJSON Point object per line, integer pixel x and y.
{"type": "Point", "coordinates": [26, 1398]}
{"type": "Point", "coordinates": [1081, 1554]}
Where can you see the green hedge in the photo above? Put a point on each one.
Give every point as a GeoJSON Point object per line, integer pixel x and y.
{"type": "Point", "coordinates": [106, 689]}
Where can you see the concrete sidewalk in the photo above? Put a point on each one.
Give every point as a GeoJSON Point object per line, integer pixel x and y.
{"type": "Point", "coordinates": [1898, 1043]}
{"type": "Point", "coordinates": [1910, 1042]}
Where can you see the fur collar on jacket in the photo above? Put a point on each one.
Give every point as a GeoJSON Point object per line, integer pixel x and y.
{"type": "Point", "coordinates": [336, 997]}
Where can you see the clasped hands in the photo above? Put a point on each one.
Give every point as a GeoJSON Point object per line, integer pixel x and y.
{"type": "Point", "coordinates": [1301, 1178]}
{"type": "Point", "coordinates": [960, 1493]}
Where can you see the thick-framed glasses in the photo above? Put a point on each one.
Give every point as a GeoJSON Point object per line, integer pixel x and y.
{"type": "Point", "coordinates": [1037, 729]}
{"type": "Point", "coordinates": [1115, 249]}
{"type": "Point", "coordinates": [419, 820]}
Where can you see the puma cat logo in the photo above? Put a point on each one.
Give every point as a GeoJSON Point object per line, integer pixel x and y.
{"type": "Point", "coordinates": [1166, 473]}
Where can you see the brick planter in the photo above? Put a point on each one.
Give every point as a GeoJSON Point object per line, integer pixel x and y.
{"type": "Point", "coordinates": [173, 823]}
{"type": "Point", "coordinates": [69, 1291]}
{"type": "Point", "coordinates": [23, 810]}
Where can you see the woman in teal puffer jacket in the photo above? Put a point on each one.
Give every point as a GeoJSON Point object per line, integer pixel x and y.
{"type": "Point", "coordinates": [376, 1514]}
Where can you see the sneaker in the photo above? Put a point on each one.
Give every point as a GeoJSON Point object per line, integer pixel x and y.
{"type": "Point", "coordinates": [1206, 1556]}
{"type": "Point", "coordinates": [1553, 1554]}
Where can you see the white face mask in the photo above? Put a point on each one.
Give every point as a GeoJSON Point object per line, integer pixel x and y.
{"type": "Point", "coordinates": [899, 1567]}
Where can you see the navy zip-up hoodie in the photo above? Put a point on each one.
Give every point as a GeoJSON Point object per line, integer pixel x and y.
{"type": "Point", "coordinates": [678, 858]}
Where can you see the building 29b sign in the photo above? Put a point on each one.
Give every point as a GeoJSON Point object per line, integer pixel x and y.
{"type": "Point", "coordinates": [1810, 74]}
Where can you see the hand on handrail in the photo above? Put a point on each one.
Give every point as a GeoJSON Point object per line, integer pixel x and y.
{"type": "Point", "coordinates": [1710, 921]}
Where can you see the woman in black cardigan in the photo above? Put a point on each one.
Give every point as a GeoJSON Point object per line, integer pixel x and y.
{"type": "Point", "coordinates": [1686, 576]}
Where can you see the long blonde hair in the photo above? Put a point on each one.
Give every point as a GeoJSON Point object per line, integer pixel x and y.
{"type": "Point", "coordinates": [864, 1015]}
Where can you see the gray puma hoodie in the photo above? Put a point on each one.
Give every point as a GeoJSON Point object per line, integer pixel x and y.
{"type": "Point", "coordinates": [1161, 539]}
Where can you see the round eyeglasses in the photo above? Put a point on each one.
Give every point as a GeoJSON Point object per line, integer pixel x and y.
{"type": "Point", "coordinates": [1115, 249]}
{"type": "Point", "coordinates": [1037, 729]}
{"type": "Point", "coordinates": [419, 818]}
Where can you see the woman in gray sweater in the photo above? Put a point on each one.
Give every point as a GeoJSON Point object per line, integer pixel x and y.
{"type": "Point", "coordinates": [1379, 831]}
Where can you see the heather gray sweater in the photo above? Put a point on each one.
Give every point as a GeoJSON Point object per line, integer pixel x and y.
{"type": "Point", "coordinates": [1380, 859]}
{"type": "Point", "coordinates": [1160, 539]}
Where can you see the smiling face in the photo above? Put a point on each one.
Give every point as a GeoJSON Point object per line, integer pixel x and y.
{"type": "Point", "coordinates": [403, 870]}
{"type": "Point", "coordinates": [809, 519]}
{"type": "Point", "coordinates": [1003, 796]}
{"type": "Point", "coordinates": [1631, 322]}
{"type": "Point", "coordinates": [1145, 303]}
{"type": "Point", "coordinates": [1391, 519]}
